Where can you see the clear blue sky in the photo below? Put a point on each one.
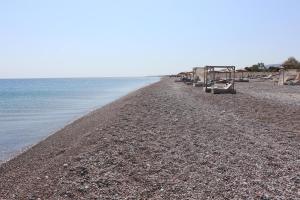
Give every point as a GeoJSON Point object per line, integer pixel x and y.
{"type": "Point", "coordinates": [72, 38]}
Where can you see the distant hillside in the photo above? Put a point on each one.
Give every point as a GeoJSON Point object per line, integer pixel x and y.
{"type": "Point", "coordinates": [272, 65]}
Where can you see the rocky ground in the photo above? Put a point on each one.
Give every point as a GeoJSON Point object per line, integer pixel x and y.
{"type": "Point", "coordinates": [286, 94]}
{"type": "Point", "coordinates": [168, 141]}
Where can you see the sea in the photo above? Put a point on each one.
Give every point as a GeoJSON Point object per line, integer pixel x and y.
{"type": "Point", "coordinates": [32, 109]}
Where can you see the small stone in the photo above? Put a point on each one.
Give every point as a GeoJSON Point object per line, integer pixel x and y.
{"type": "Point", "coordinates": [82, 189]}
{"type": "Point", "coordinates": [65, 165]}
{"type": "Point", "coordinates": [67, 194]}
{"type": "Point", "coordinates": [296, 180]}
{"type": "Point", "coordinates": [265, 197]}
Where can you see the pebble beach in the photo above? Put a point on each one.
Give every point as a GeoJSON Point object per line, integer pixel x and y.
{"type": "Point", "coordinates": [170, 140]}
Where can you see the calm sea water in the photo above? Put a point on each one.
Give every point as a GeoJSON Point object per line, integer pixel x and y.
{"type": "Point", "coordinates": [31, 109]}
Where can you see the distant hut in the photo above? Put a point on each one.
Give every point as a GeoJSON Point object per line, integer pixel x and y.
{"type": "Point", "coordinates": [290, 72]}
{"type": "Point", "coordinates": [241, 73]}
{"type": "Point", "coordinates": [190, 76]}
{"type": "Point", "coordinates": [198, 74]}
{"type": "Point", "coordinates": [185, 76]}
{"type": "Point", "coordinates": [181, 74]}
{"type": "Point", "coordinates": [289, 76]}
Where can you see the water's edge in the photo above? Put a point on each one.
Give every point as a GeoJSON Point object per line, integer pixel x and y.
{"type": "Point", "coordinates": [69, 122]}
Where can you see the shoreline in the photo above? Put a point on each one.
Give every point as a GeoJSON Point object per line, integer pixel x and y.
{"type": "Point", "coordinates": [12, 155]}
{"type": "Point", "coordinates": [165, 141]}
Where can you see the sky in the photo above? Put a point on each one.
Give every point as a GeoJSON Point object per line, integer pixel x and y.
{"type": "Point", "coordinates": [95, 38]}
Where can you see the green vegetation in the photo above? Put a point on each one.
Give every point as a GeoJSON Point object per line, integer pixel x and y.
{"type": "Point", "coordinates": [291, 63]}
{"type": "Point", "coordinates": [259, 67]}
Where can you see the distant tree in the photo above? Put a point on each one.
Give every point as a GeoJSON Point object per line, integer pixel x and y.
{"type": "Point", "coordinates": [291, 63]}
{"type": "Point", "coordinates": [259, 67]}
